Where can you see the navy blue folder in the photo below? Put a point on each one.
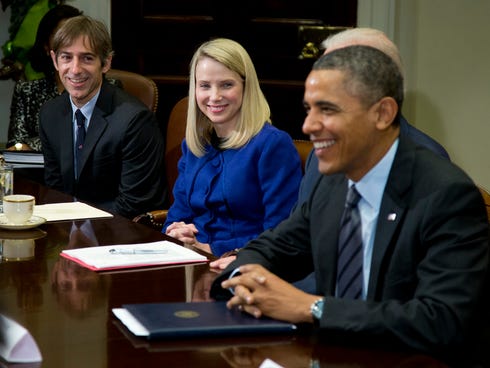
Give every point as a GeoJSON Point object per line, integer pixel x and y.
{"type": "Point", "coordinates": [198, 319]}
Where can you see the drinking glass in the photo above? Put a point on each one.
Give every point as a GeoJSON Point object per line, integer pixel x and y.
{"type": "Point", "coordinates": [6, 182]}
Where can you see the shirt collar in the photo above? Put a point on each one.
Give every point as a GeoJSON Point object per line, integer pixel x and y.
{"type": "Point", "coordinates": [86, 109]}
{"type": "Point", "coordinates": [371, 187]}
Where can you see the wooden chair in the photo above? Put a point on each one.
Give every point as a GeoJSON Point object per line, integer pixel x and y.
{"type": "Point", "coordinates": [175, 134]}
{"type": "Point", "coordinates": [177, 122]}
{"type": "Point", "coordinates": [486, 198]}
{"type": "Point", "coordinates": [304, 148]}
{"type": "Point", "coordinates": [137, 85]}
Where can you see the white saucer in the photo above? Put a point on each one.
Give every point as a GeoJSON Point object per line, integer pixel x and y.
{"type": "Point", "coordinates": [34, 221]}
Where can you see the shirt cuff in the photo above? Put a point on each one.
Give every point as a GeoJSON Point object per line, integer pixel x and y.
{"type": "Point", "coordinates": [236, 272]}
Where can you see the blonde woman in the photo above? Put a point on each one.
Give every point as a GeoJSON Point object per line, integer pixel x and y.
{"type": "Point", "coordinates": [238, 174]}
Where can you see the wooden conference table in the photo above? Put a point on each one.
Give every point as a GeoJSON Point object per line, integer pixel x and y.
{"type": "Point", "coordinates": [67, 308]}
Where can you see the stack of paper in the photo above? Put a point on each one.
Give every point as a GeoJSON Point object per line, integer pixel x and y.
{"type": "Point", "coordinates": [69, 211]}
{"type": "Point", "coordinates": [24, 158]}
{"type": "Point", "coordinates": [111, 257]}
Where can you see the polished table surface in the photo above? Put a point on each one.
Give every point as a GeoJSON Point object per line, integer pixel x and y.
{"type": "Point", "coordinates": [67, 308]}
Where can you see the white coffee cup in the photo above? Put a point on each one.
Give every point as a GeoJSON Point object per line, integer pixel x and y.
{"type": "Point", "coordinates": [18, 208]}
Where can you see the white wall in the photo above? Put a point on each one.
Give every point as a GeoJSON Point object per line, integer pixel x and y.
{"type": "Point", "coordinates": [100, 9]}
{"type": "Point", "coordinates": [445, 45]}
{"type": "Point", "coordinates": [452, 81]}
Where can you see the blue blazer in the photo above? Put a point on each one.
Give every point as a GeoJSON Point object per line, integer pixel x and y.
{"type": "Point", "coordinates": [233, 195]}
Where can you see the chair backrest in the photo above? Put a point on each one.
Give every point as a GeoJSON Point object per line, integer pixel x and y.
{"type": "Point", "coordinates": [486, 198]}
{"type": "Point", "coordinates": [177, 122]}
{"type": "Point", "coordinates": [304, 148]}
{"type": "Point", "coordinates": [137, 85]}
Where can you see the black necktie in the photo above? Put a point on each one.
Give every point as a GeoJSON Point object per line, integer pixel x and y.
{"type": "Point", "coordinates": [80, 138]}
{"type": "Point", "coordinates": [350, 255]}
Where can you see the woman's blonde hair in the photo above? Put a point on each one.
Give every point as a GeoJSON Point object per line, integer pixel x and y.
{"type": "Point", "coordinates": [254, 112]}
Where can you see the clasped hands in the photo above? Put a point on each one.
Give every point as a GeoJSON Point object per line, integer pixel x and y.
{"type": "Point", "coordinates": [186, 233]}
{"type": "Point", "coordinates": [256, 290]}
{"type": "Point", "coordinates": [261, 293]}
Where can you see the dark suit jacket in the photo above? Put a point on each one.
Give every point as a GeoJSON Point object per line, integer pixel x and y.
{"type": "Point", "coordinates": [123, 160]}
{"type": "Point", "coordinates": [428, 263]}
{"type": "Point", "coordinates": [311, 167]}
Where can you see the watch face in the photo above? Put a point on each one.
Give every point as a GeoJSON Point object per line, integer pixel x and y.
{"type": "Point", "coordinates": [317, 309]}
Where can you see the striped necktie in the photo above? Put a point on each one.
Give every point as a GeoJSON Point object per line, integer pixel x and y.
{"type": "Point", "coordinates": [350, 254]}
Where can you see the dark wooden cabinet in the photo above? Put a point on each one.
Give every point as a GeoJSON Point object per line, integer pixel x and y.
{"type": "Point", "coordinates": [157, 38]}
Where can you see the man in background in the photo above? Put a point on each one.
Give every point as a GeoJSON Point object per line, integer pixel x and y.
{"type": "Point", "coordinates": [100, 144]}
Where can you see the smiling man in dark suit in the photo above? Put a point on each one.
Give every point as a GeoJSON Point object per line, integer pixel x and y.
{"type": "Point", "coordinates": [423, 240]}
{"type": "Point", "coordinates": [100, 144]}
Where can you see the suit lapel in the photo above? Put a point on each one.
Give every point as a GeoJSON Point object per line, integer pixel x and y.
{"type": "Point", "coordinates": [67, 144]}
{"type": "Point", "coordinates": [327, 208]}
{"type": "Point", "coordinates": [392, 211]}
{"type": "Point", "coordinates": [98, 123]}
{"type": "Point", "coordinates": [389, 220]}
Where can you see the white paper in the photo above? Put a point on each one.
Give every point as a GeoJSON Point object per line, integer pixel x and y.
{"type": "Point", "coordinates": [101, 258]}
{"type": "Point", "coordinates": [130, 322]}
{"type": "Point", "coordinates": [17, 345]}
{"type": "Point", "coordinates": [69, 211]}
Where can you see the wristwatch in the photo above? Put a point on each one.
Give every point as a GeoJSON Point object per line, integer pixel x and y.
{"type": "Point", "coordinates": [316, 309]}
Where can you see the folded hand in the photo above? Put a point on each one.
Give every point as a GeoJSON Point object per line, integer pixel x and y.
{"type": "Point", "coordinates": [260, 292]}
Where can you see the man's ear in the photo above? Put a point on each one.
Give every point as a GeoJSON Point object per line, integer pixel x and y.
{"type": "Point", "coordinates": [53, 57]}
{"type": "Point", "coordinates": [387, 108]}
{"type": "Point", "coordinates": [107, 64]}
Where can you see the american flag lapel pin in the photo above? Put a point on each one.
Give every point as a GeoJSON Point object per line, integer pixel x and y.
{"type": "Point", "coordinates": [391, 217]}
